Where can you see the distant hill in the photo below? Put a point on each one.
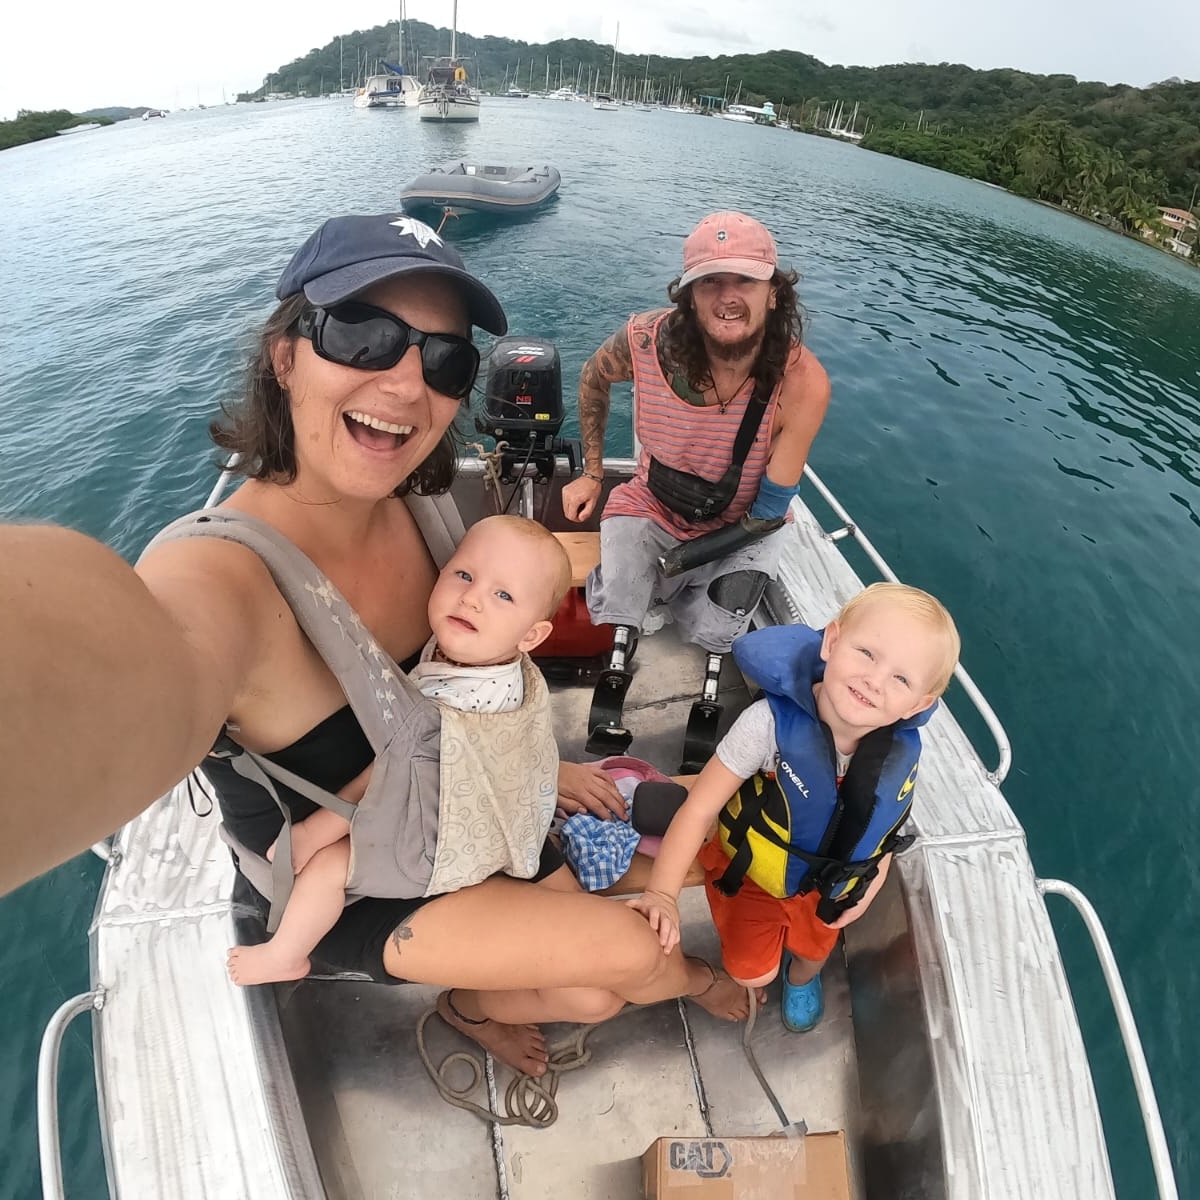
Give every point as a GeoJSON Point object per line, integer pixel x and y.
{"type": "Point", "coordinates": [1155, 130]}
{"type": "Point", "coordinates": [113, 114]}
{"type": "Point", "coordinates": [37, 126]}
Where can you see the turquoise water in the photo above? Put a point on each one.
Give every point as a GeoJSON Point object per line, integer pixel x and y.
{"type": "Point", "coordinates": [1014, 423]}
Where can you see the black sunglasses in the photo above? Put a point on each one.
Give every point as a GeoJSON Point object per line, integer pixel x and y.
{"type": "Point", "coordinates": [373, 339]}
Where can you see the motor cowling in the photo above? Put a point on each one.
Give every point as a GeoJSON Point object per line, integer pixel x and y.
{"type": "Point", "coordinates": [523, 409]}
{"type": "Point", "coordinates": [523, 401]}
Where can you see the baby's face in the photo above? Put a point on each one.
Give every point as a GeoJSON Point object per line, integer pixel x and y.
{"type": "Point", "coordinates": [878, 669]}
{"type": "Point", "coordinates": [490, 600]}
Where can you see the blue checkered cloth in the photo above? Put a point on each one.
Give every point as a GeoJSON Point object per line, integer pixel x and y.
{"type": "Point", "coordinates": [599, 852]}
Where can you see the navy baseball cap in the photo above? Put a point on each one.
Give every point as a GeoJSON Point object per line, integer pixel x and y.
{"type": "Point", "coordinates": [347, 255]}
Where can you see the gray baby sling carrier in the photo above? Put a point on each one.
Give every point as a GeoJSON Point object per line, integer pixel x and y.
{"type": "Point", "coordinates": [453, 796]}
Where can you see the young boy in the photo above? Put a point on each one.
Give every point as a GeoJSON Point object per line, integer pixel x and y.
{"type": "Point", "coordinates": [831, 755]}
{"type": "Point", "coordinates": [491, 606]}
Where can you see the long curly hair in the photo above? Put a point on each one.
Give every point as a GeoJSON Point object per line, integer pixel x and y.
{"type": "Point", "coordinates": [684, 343]}
{"type": "Point", "coordinates": [257, 426]}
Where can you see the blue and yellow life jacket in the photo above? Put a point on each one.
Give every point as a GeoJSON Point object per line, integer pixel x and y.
{"type": "Point", "coordinates": [799, 832]}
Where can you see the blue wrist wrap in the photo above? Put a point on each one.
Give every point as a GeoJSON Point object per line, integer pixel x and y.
{"type": "Point", "coordinates": [772, 500]}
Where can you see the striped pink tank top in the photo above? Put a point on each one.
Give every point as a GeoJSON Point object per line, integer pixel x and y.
{"type": "Point", "coordinates": [693, 438]}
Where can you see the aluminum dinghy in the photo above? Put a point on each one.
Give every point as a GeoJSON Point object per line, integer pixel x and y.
{"type": "Point", "coordinates": [949, 1055]}
{"type": "Point", "coordinates": [464, 186]}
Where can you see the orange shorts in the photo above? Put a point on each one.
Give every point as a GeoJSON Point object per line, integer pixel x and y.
{"type": "Point", "coordinates": [755, 927]}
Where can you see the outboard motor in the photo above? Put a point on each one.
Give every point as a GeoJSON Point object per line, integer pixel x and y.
{"type": "Point", "coordinates": [523, 408]}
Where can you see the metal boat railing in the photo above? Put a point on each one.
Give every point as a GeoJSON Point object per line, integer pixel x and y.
{"type": "Point", "coordinates": [49, 1143]}
{"type": "Point", "coordinates": [851, 529]}
{"type": "Point", "coordinates": [1134, 1052]}
{"type": "Point", "coordinates": [1160, 1155]}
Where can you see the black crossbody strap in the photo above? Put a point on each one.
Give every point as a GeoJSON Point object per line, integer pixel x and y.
{"type": "Point", "coordinates": [751, 420]}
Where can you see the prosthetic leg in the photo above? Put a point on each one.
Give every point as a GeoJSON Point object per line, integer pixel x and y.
{"type": "Point", "coordinates": [606, 731]}
{"type": "Point", "coordinates": [738, 593]}
{"type": "Point", "coordinates": [700, 737]}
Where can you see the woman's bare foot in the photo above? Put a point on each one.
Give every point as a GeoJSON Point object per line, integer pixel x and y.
{"type": "Point", "coordinates": [263, 964]}
{"type": "Point", "coordinates": [522, 1047]}
{"type": "Point", "coordinates": [722, 996]}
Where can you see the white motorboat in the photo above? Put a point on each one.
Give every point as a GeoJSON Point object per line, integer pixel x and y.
{"type": "Point", "coordinates": [950, 1056]}
{"type": "Point", "coordinates": [605, 103]}
{"type": "Point", "coordinates": [750, 114]}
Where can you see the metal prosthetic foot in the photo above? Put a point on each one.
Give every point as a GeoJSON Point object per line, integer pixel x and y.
{"type": "Point", "coordinates": [606, 730]}
{"type": "Point", "coordinates": [700, 737]}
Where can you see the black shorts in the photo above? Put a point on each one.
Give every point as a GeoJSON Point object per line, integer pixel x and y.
{"type": "Point", "coordinates": [353, 948]}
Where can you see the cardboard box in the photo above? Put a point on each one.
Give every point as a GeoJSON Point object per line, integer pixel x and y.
{"type": "Point", "coordinates": [747, 1168]}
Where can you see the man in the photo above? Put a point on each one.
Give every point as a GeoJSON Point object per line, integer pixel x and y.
{"type": "Point", "coordinates": [727, 402]}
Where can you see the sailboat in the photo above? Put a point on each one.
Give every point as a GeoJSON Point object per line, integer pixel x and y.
{"type": "Point", "coordinates": [606, 101]}
{"type": "Point", "coordinates": [446, 94]}
{"type": "Point", "coordinates": [643, 104]}
{"type": "Point", "coordinates": [394, 88]}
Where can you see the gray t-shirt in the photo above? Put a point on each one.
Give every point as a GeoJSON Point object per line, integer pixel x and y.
{"type": "Point", "coordinates": [749, 746]}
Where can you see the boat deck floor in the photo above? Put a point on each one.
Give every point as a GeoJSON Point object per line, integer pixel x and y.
{"type": "Point", "coordinates": [380, 1128]}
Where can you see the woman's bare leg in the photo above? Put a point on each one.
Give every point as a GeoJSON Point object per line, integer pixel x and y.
{"type": "Point", "coordinates": [316, 902]}
{"type": "Point", "coordinates": [711, 988]}
{"type": "Point", "coordinates": [525, 946]}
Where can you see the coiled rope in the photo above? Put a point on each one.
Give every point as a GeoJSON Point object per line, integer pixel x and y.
{"type": "Point", "coordinates": [528, 1099]}
{"type": "Point", "coordinates": [531, 1100]}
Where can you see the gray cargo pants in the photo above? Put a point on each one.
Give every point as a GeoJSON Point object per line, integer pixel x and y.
{"type": "Point", "coordinates": [628, 583]}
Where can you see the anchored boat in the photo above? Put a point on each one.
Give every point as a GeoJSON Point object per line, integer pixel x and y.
{"type": "Point", "coordinates": [462, 186]}
{"type": "Point", "coordinates": [393, 89]}
{"type": "Point", "coordinates": [949, 1058]}
{"type": "Point", "coordinates": [447, 94]}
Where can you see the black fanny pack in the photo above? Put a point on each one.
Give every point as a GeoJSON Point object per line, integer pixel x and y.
{"type": "Point", "coordinates": [696, 498]}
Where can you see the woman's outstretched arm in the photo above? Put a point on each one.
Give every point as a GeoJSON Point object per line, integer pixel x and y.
{"type": "Point", "coordinates": [108, 695]}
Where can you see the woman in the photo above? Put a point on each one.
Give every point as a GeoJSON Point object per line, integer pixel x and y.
{"type": "Point", "coordinates": [348, 409]}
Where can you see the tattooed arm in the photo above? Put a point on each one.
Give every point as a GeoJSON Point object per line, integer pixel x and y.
{"type": "Point", "coordinates": [612, 363]}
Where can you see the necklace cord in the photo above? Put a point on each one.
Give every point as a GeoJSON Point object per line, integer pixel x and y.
{"type": "Point", "coordinates": [722, 405]}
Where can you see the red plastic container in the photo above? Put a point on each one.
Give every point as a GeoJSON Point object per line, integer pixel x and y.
{"type": "Point", "coordinates": [574, 634]}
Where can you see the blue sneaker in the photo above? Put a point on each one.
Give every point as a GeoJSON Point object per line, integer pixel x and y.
{"type": "Point", "coordinates": [803, 1005]}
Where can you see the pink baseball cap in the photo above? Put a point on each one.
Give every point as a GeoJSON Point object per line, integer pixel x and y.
{"type": "Point", "coordinates": [728, 242]}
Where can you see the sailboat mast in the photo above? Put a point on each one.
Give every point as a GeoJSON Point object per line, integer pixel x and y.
{"type": "Point", "coordinates": [400, 37]}
{"type": "Point", "coordinates": [454, 31]}
{"type": "Point", "coordinates": [612, 82]}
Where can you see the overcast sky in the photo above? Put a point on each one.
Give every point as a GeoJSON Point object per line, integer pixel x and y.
{"type": "Point", "coordinates": [168, 54]}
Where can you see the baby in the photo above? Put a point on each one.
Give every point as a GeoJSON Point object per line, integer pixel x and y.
{"type": "Point", "coordinates": [492, 604]}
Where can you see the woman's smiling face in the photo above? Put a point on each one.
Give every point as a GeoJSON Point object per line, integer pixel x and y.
{"type": "Point", "coordinates": [359, 433]}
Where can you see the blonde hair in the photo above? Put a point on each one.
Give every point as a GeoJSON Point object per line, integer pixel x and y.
{"type": "Point", "coordinates": [923, 607]}
{"type": "Point", "coordinates": [558, 561]}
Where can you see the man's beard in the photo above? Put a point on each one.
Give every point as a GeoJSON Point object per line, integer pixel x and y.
{"type": "Point", "coordinates": [734, 351]}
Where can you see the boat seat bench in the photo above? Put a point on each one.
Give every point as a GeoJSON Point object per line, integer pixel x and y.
{"type": "Point", "coordinates": [583, 549]}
